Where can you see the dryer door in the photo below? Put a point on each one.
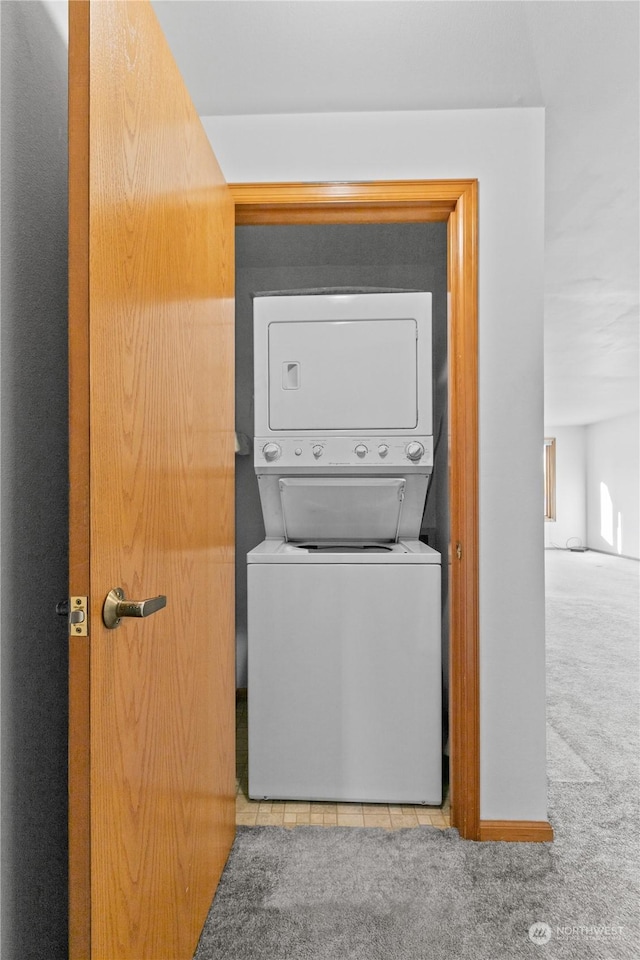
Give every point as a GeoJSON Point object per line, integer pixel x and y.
{"type": "Point", "coordinates": [355, 375]}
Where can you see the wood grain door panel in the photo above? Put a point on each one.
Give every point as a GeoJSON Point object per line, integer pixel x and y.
{"type": "Point", "coordinates": [151, 324]}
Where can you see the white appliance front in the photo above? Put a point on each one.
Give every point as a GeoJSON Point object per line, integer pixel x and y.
{"type": "Point", "coordinates": [345, 675]}
{"type": "Point", "coordinates": [343, 364]}
{"type": "Point", "coordinates": [344, 654]}
{"type": "Point", "coordinates": [360, 359]}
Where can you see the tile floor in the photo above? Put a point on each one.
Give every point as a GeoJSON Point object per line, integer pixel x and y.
{"type": "Point", "coordinates": [291, 814]}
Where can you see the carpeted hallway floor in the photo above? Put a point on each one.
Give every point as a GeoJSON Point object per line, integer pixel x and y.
{"type": "Point", "coordinates": [425, 894]}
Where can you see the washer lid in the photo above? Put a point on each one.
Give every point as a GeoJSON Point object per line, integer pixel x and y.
{"type": "Point", "coordinates": [341, 508]}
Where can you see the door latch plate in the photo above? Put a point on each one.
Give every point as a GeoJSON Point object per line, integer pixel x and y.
{"type": "Point", "coordinates": [76, 609]}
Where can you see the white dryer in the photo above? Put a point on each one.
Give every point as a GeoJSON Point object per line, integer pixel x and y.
{"type": "Point", "coordinates": [344, 658]}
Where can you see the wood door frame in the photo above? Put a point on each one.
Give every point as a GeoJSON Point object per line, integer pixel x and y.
{"type": "Point", "coordinates": [454, 202]}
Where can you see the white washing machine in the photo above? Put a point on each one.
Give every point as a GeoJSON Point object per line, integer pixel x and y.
{"type": "Point", "coordinates": [344, 656]}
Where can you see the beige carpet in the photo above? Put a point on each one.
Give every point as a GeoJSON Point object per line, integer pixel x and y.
{"type": "Point", "coordinates": [423, 894]}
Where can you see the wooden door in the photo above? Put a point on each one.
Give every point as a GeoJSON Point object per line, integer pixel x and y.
{"type": "Point", "coordinates": [151, 459]}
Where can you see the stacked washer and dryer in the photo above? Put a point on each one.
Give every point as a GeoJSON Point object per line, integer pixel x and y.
{"type": "Point", "coordinates": [344, 629]}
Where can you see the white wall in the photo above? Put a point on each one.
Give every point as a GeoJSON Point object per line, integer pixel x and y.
{"type": "Point", "coordinates": [504, 150]}
{"type": "Point", "coordinates": [613, 486]}
{"type": "Point", "coordinates": [571, 490]}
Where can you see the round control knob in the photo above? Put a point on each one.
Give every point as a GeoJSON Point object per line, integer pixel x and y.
{"type": "Point", "coordinates": [271, 451]}
{"type": "Point", "coordinates": [383, 449]}
{"type": "Point", "coordinates": [317, 450]}
{"type": "Point", "coordinates": [414, 451]}
{"type": "Point", "coordinates": [361, 450]}
{"type": "Point", "coordinates": [298, 451]}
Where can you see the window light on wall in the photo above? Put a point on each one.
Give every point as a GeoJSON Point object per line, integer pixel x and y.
{"type": "Point", "coordinates": [549, 466]}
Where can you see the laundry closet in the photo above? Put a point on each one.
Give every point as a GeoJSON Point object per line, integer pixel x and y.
{"type": "Point", "coordinates": [356, 259]}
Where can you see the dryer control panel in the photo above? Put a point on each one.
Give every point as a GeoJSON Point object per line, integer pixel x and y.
{"type": "Point", "coordinates": [364, 454]}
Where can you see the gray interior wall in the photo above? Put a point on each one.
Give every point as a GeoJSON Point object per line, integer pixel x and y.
{"type": "Point", "coordinates": [34, 484]}
{"type": "Point", "coordinates": [412, 256]}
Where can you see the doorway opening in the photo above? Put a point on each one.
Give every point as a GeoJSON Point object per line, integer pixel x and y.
{"type": "Point", "coordinates": [319, 256]}
{"type": "Point", "coordinates": [455, 204]}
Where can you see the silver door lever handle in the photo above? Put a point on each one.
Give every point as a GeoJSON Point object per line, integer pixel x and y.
{"type": "Point", "coordinates": [117, 606]}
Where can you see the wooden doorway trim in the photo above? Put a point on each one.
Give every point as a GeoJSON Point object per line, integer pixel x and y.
{"type": "Point", "coordinates": [413, 201]}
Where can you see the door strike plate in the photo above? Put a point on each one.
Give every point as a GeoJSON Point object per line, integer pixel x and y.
{"type": "Point", "coordinates": [78, 617]}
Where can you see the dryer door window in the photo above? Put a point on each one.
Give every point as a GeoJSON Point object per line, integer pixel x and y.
{"type": "Point", "coordinates": [343, 375]}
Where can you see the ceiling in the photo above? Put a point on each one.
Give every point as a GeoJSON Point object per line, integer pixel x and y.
{"type": "Point", "coordinates": [577, 59]}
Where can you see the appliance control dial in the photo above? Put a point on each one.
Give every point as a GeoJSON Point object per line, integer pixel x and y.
{"type": "Point", "coordinates": [383, 449]}
{"type": "Point", "coordinates": [361, 450]}
{"type": "Point", "coordinates": [414, 451]}
{"type": "Point", "coordinates": [271, 451]}
{"type": "Point", "coordinates": [317, 450]}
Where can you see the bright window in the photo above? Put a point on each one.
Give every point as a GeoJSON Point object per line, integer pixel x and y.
{"type": "Point", "coordinates": [550, 478]}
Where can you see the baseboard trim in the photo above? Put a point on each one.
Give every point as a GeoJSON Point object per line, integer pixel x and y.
{"type": "Point", "coordinates": [610, 553]}
{"type": "Point", "coordinates": [607, 553]}
{"type": "Point", "coordinates": [516, 831]}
